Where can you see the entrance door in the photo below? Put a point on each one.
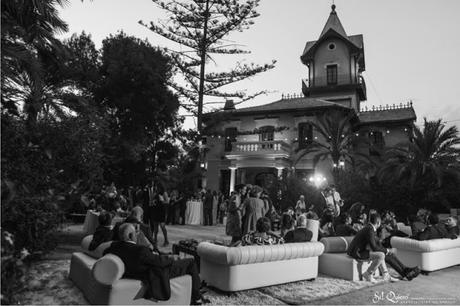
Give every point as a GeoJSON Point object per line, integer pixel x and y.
{"type": "Point", "coordinates": [265, 179]}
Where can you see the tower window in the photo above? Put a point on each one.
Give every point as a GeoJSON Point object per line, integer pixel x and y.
{"type": "Point", "coordinates": [331, 46]}
{"type": "Point", "coordinates": [331, 72]}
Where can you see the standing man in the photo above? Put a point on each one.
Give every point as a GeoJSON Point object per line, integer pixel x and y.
{"type": "Point", "coordinates": [207, 206]}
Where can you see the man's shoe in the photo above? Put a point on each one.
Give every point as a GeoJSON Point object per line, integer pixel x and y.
{"type": "Point", "coordinates": [388, 278]}
{"type": "Point", "coordinates": [368, 277]}
{"type": "Point", "coordinates": [413, 273]}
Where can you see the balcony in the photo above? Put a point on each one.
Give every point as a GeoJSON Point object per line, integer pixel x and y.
{"type": "Point", "coordinates": [275, 148]}
{"type": "Point", "coordinates": [320, 85]}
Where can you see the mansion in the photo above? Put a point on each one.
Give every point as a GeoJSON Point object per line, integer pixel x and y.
{"type": "Point", "coordinates": [254, 145]}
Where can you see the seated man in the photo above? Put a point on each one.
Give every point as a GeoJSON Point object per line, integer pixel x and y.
{"type": "Point", "coordinates": [452, 227]}
{"type": "Point", "coordinates": [103, 232]}
{"type": "Point", "coordinates": [434, 229]}
{"type": "Point", "coordinates": [156, 270]}
{"type": "Point", "coordinates": [365, 246]}
{"type": "Point", "coordinates": [344, 228]}
{"type": "Point", "coordinates": [262, 235]}
{"type": "Point", "coordinates": [135, 217]}
{"type": "Point", "coordinates": [301, 233]}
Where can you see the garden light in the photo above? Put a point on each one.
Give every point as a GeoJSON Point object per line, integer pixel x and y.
{"type": "Point", "coordinates": [317, 180]}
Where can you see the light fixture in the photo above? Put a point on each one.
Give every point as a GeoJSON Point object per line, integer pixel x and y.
{"type": "Point", "coordinates": [388, 131]}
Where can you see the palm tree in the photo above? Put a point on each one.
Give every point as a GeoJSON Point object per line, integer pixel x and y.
{"type": "Point", "coordinates": [28, 38]}
{"type": "Point", "coordinates": [334, 127]}
{"type": "Point", "coordinates": [428, 160]}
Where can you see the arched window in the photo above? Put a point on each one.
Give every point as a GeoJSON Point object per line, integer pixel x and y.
{"type": "Point", "coordinates": [305, 134]}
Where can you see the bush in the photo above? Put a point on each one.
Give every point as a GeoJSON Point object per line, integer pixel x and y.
{"type": "Point", "coordinates": [13, 268]}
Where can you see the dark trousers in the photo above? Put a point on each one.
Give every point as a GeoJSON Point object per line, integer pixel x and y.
{"type": "Point", "coordinates": [394, 262]}
{"type": "Point", "coordinates": [187, 266]}
{"type": "Point", "coordinates": [208, 216]}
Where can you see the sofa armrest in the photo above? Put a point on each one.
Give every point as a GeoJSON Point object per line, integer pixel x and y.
{"type": "Point", "coordinates": [424, 245]}
{"type": "Point", "coordinates": [108, 269]}
{"type": "Point", "coordinates": [258, 253]}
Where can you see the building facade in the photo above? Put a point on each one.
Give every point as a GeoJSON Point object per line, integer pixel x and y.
{"type": "Point", "coordinates": [255, 145]}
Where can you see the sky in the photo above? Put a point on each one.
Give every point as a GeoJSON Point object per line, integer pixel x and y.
{"type": "Point", "coordinates": [412, 47]}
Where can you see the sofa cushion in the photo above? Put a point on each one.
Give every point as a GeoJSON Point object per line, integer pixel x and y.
{"type": "Point", "coordinates": [336, 244]}
{"type": "Point", "coordinates": [425, 245]}
{"type": "Point", "coordinates": [108, 269]}
{"type": "Point", "coordinates": [313, 226]}
{"type": "Point", "coordinates": [257, 253]}
{"type": "Point", "coordinates": [98, 252]}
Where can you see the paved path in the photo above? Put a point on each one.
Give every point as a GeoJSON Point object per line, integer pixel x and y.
{"type": "Point", "coordinates": [438, 288]}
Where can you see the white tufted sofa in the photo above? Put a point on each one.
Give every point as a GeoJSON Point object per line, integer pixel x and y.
{"type": "Point", "coordinates": [100, 279]}
{"type": "Point", "coordinates": [428, 255]}
{"type": "Point", "coordinates": [246, 267]}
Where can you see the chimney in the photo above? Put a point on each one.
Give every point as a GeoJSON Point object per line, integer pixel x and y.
{"type": "Point", "coordinates": [229, 105]}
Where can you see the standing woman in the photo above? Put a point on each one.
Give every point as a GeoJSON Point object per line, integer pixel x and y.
{"type": "Point", "coordinates": [157, 217]}
{"type": "Point", "coordinates": [255, 209]}
{"type": "Point", "coordinates": [233, 226]}
{"type": "Point", "coordinates": [215, 205]}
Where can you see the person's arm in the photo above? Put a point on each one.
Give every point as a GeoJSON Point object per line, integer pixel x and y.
{"type": "Point", "coordinates": [373, 242]}
{"type": "Point", "coordinates": [149, 258]}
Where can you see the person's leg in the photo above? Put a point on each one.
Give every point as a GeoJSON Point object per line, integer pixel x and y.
{"type": "Point", "coordinates": [165, 233]}
{"type": "Point", "coordinates": [187, 266]}
{"type": "Point", "coordinates": [377, 258]}
{"type": "Point", "coordinates": [155, 231]}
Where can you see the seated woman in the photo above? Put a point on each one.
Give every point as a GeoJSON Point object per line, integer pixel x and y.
{"type": "Point", "coordinates": [103, 232]}
{"type": "Point", "coordinates": [261, 236]}
{"type": "Point", "coordinates": [287, 223]}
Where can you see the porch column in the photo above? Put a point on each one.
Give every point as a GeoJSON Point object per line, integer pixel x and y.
{"type": "Point", "coordinates": [280, 171]}
{"type": "Point", "coordinates": [232, 178]}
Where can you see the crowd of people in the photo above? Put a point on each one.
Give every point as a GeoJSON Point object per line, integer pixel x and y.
{"type": "Point", "coordinates": [250, 219]}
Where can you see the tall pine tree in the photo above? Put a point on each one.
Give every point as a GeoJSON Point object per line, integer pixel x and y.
{"type": "Point", "coordinates": [202, 26]}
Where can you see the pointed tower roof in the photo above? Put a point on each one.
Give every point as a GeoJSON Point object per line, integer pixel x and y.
{"type": "Point", "coordinates": [333, 22]}
{"type": "Point", "coordinates": [334, 28]}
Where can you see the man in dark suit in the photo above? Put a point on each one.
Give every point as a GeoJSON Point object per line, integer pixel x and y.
{"type": "Point", "coordinates": [434, 230]}
{"type": "Point", "coordinates": [207, 207]}
{"type": "Point", "coordinates": [156, 270]}
{"type": "Point", "coordinates": [365, 246]}
{"type": "Point", "coordinates": [301, 233]}
{"type": "Point", "coordinates": [452, 227]}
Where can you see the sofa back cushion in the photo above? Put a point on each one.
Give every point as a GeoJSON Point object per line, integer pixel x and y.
{"type": "Point", "coordinates": [251, 254]}
{"type": "Point", "coordinates": [313, 226]}
{"type": "Point", "coordinates": [98, 252]}
{"type": "Point", "coordinates": [432, 245]}
{"type": "Point", "coordinates": [108, 269]}
{"type": "Point", "coordinates": [336, 244]}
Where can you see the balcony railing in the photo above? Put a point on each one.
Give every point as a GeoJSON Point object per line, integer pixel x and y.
{"type": "Point", "coordinates": [275, 146]}
{"type": "Point", "coordinates": [341, 79]}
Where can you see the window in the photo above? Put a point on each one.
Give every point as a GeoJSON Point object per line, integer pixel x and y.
{"type": "Point", "coordinates": [305, 134]}
{"type": "Point", "coordinates": [230, 136]}
{"type": "Point", "coordinates": [331, 72]}
{"type": "Point", "coordinates": [376, 143]}
{"type": "Point", "coordinates": [267, 133]}
{"type": "Point", "coordinates": [331, 46]}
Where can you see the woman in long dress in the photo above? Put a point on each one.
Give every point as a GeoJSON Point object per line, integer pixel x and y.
{"type": "Point", "coordinates": [233, 226]}
{"type": "Point", "coordinates": [254, 210]}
